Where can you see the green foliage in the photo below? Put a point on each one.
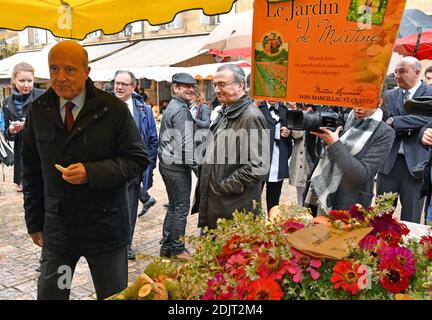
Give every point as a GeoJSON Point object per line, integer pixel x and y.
{"type": "Point", "coordinates": [261, 56]}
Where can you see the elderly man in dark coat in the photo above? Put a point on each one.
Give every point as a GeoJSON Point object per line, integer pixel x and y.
{"type": "Point", "coordinates": [124, 85]}
{"type": "Point", "coordinates": [80, 147]}
{"type": "Point", "coordinates": [237, 153]}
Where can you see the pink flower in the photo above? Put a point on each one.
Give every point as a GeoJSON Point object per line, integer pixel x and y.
{"type": "Point", "coordinates": [300, 263]}
{"type": "Point", "coordinates": [291, 226]}
{"type": "Point", "coordinates": [402, 256]}
{"type": "Point", "coordinates": [235, 265]}
{"type": "Point", "coordinates": [369, 243]}
{"type": "Point", "coordinates": [218, 289]}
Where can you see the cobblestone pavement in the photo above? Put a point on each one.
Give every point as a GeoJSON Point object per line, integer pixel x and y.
{"type": "Point", "coordinates": [19, 256]}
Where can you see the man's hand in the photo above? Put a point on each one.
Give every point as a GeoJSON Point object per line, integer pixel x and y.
{"type": "Point", "coordinates": [37, 238]}
{"type": "Point", "coordinates": [328, 136]}
{"type": "Point", "coordinates": [292, 105]}
{"type": "Point", "coordinates": [285, 132]}
{"type": "Point", "coordinates": [427, 137]}
{"type": "Point", "coordinates": [16, 127]}
{"type": "Point", "coordinates": [76, 174]}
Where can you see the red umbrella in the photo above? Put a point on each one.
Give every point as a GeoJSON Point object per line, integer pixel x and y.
{"type": "Point", "coordinates": [416, 45]}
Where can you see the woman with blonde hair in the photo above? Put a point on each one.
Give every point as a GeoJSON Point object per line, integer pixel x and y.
{"type": "Point", "coordinates": [15, 110]}
{"type": "Point", "coordinates": [200, 111]}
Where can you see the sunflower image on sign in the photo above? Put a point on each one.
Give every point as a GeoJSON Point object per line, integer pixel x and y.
{"type": "Point", "coordinates": [271, 66]}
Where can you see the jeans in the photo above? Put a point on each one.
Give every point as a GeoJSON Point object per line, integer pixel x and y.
{"type": "Point", "coordinates": [178, 186]}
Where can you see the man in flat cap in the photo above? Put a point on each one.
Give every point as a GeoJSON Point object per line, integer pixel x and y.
{"type": "Point", "coordinates": [176, 161]}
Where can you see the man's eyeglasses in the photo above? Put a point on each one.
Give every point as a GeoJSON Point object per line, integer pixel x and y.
{"type": "Point", "coordinates": [123, 84]}
{"type": "Point", "coordinates": [222, 85]}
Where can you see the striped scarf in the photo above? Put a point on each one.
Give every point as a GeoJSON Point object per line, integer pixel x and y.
{"type": "Point", "coordinates": [327, 176]}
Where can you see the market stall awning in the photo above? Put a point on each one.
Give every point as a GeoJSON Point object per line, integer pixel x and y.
{"type": "Point", "coordinates": [153, 52]}
{"type": "Point", "coordinates": [33, 57]}
{"type": "Point", "coordinates": [39, 59]}
{"type": "Point", "coordinates": [102, 50]}
{"type": "Point", "coordinates": [77, 18]}
{"type": "Point", "coordinates": [158, 73]}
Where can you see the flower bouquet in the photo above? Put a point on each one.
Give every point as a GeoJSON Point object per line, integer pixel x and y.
{"type": "Point", "coordinates": [250, 257]}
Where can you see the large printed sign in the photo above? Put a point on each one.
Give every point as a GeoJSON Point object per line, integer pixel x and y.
{"type": "Point", "coordinates": [322, 51]}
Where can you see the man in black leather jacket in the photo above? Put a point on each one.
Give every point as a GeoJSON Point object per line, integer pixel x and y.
{"type": "Point", "coordinates": [176, 162]}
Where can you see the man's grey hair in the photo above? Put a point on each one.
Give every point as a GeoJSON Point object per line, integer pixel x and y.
{"type": "Point", "coordinates": [414, 62]}
{"type": "Point", "coordinates": [132, 76]}
{"type": "Point", "coordinates": [238, 73]}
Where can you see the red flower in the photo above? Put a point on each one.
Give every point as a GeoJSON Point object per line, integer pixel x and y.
{"type": "Point", "coordinates": [426, 241]}
{"type": "Point", "coordinates": [343, 215]}
{"type": "Point", "coordinates": [390, 237]}
{"type": "Point", "coordinates": [369, 243]}
{"type": "Point", "coordinates": [395, 277]}
{"type": "Point", "coordinates": [264, 289]}
{"type": "Point", "coordinates": [232, 246]}
{"type": "Point", "coordinates": [274, 268]}
{"type": "Point", "coordinates": [291, 226]}
{"type": "Point", "coordinates": [387, 223]}
{"type": "Point", "coordinates": [356, 213]}
{"type": "Point", "coordinates": [346, 276]}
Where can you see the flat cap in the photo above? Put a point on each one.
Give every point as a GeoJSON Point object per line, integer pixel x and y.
{"type": "Point", "coordinates": [184, 78]}
{"type": "Point", "coordinates": [419, 105]}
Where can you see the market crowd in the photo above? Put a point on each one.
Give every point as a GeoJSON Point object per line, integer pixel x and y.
{"type": "Point", "coordinates": [84, 158]}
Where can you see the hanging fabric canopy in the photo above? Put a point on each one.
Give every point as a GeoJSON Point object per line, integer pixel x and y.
{"type": "Point", "coordinates": [416, 45]}
{"type": "Point", "coordinates": [233, 37]}
{"type": "Point", "coordinates": [76, 18]}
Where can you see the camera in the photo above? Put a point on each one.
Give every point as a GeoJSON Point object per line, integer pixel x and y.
{"type": "Point", "coordinates": [421, 106]}
{"type": "Point", "coordinates": [312, 121]}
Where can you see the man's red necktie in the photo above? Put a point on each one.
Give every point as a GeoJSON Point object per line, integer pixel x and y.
{"type": "Point", "coordinates": [69, 119]}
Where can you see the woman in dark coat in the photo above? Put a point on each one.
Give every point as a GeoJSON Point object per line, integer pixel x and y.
{"type": "Point", "coordinates": [15, 110]}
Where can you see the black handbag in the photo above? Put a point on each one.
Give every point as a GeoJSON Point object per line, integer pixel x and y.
{"type": "Point", "coordinates": [6, 151]}
{"type": "Point", "coordinates": [419, 170]}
